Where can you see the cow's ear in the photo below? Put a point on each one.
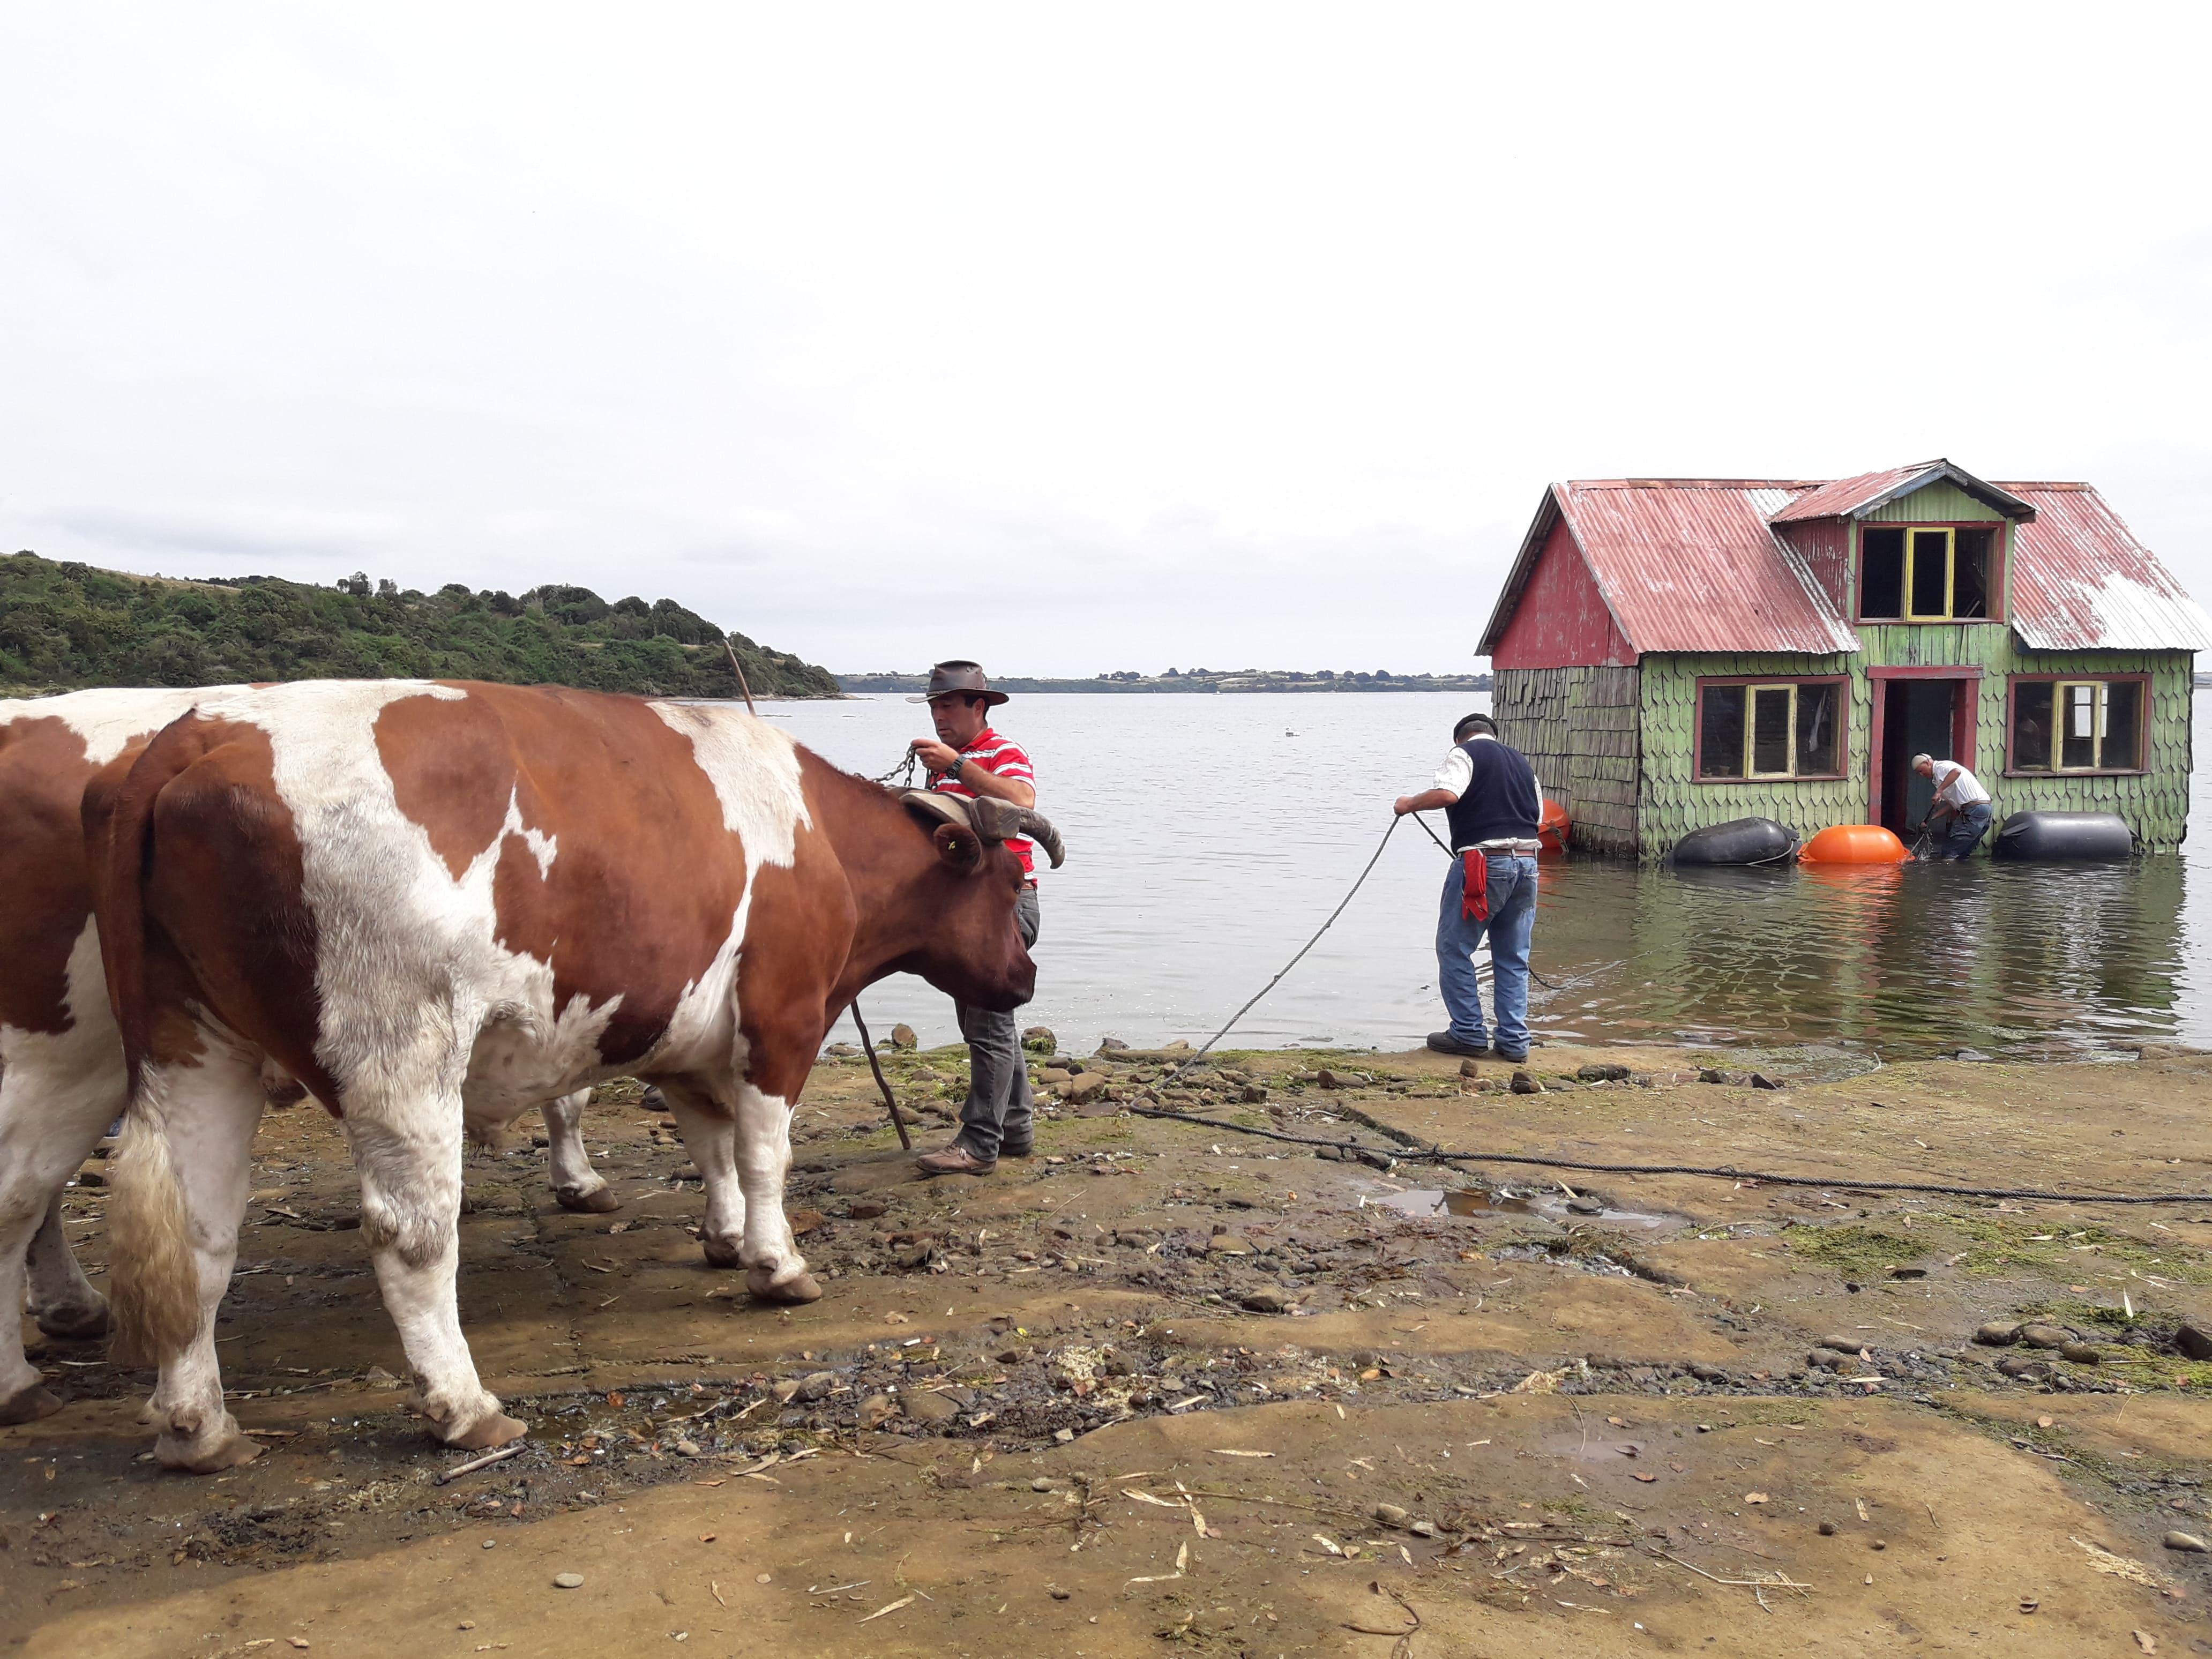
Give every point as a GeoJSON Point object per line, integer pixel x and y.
{"type": "Point", "coordinates": [959, 846]}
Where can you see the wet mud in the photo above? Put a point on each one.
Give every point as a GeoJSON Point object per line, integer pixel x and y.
{"type": "Point", "coordinates": [1168, 1387]}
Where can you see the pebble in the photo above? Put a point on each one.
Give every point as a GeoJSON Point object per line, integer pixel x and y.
{"type": "Point", "coordinates": [2045, 1336]}
{"type": "Point", "coordinates": [1423, 1529]}
{"type": "Point", "coordinates": [2081, 1353]}
{"type": "Point", "coordinates": [1063, 1435]}
{"type": "Point", "coordinates": [877, 1410]}
{"type": "Point", "coordinates": [2020, 1366]}
{"type": "Point", "coordinates": [903, 1037]}
{"type": "Point", "coordinates": [817, 1385]}
{"type": "Point", "coordinates": [1390, 1514]}
{"type": "Point", "coordinates": [1849, 1345]}
{"type": "Point", "coordinates": [1041, 1485]}
{"type": "Point", "coordinates": [1604, 1073]}
{"type": "Point", "coordinates": [2194, 1340]}
{"type": "Point", "coordinates": [567, 1581]}
{"type": "Point", "coordinates": [1265, 1302]}
{"type": "Point", "coordinates": [1059, 1594]}
{"type": "Point", "coordinates": [1585, 1207]}
{"type": "Point", "coordinates": [687, 1447]}
{"type": "Point", "coordinates": [1999, 1334]}
{"type": "Point", "coordinates": [923, 1406]}
{"type": "Point", "coordinates": [1468, 1068]}
{"type": "Point", "coordinates": [763, 1578]}
{"type": "Point", "coordinates": [1523, 1084]}
{"type": "Point", "coordinates": [1827, 1529]}
{"type": "Point", "coordinates": [1828, 1359]}
{"type": "Point", "coordinates": [1227, 1244]}
{"type": "Point", "coordinates": [1706, 1373]}
{"type": "Point", "coordinates": [2188, 1542]}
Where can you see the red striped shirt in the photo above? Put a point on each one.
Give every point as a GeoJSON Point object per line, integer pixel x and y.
{"type": "Point", "coordinates": [1002, 758]}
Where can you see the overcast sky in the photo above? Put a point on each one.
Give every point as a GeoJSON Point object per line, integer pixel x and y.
{"type": "Point", "coordinates": [1131, 337]}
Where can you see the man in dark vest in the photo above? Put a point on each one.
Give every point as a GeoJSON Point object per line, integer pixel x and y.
{"type": "Point", "coordinates": [1489, 792]}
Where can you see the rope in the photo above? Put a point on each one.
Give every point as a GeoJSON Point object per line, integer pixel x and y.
{"type": "Point", "coordinates": [1719, 1172]}
{"type": "Point", "coordinates": [1374, 859]}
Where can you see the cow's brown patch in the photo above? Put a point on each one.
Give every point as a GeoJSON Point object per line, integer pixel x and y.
{"type": "Point", "coordinates": [224, 895]}
{"type": "Point", "coordinates": [644, 878]}
{"type": "Point", "coordinates": [43, 771]}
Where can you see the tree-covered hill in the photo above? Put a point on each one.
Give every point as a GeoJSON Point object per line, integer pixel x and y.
{"type": "Point", "coordinates": [66, 625]}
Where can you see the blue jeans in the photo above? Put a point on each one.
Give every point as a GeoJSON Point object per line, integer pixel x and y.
{"type": "Point", "coordinates": [1512, 924]}
{"type": "Point", "coordinates": [1967, 827]}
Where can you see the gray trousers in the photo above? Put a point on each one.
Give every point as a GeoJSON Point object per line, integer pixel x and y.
{"type": "Point", "coordinates": [999, 1105]}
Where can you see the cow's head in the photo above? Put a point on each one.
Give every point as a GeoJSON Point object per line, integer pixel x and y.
{"type": "Point", "coordinates": [970, 948]}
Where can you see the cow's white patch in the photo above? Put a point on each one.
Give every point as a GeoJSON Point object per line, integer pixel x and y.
{"type": "Point", "coordinates": [541, 846]}
{"type": "Point", "coordinates": [107, 720]}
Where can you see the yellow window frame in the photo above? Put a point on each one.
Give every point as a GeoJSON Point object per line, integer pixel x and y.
{"type": "Point", "coordinates": [2100, 699]}
{"type": "Point", "coordinates": [1912, 535]}
{"type": "Point", "coordinates": [1751, 696]}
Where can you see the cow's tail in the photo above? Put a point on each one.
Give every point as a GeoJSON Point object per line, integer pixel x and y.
{"type": "Point", "coordinates": [154, 1277]}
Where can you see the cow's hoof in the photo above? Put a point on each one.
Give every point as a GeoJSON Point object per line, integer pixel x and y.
{"type": "Point", "coordinates": [486, 1432]}
{"type": "Point", "coordinates": [598, 1200]}
{"type": "Point", "coordinates": [799, 1288]}
{"type": "Point", "coordinates": [218, 1452]}
{"type": "Point", "coordinates": [79, 1323]}
{"type": "Point", "coordinates": [719, 1254]}
{"type": "Point", "coordinates": [28, 1405]}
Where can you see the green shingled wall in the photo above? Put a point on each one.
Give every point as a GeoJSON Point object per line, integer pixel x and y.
{"type": "Point", "coordinates": [1669, 805]}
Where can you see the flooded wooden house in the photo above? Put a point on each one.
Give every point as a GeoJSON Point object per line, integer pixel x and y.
{"type": "Point", "coordinates": [1674, 653]}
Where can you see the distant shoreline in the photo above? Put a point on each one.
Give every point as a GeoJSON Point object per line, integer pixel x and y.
{"type": "Point", "coordinates": [1201, 683]}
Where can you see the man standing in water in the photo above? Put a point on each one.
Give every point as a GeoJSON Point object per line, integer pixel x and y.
{"type": "Point", "coordinates": [1494, 804]}
{"type": "Point", "coordinates": [967, 758]}
{"type": "Point", "coordinates": [1961, 804]}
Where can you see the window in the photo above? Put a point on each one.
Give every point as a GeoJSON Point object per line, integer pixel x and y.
{"type": "Point", "coordinates": [2077, 725]}
{"type": "Point", "coordinates": [1924, 573]}
{"type": "Point", "coordinates": [1787, 729]}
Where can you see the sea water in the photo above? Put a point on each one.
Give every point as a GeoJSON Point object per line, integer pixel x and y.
{"type": "Point", "coordinates": [1209, 835]}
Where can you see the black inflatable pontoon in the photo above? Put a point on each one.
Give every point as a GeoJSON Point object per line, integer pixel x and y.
{"type": "Point", "coordinates": [2077, 836]}
{"type": "Point", "coordinates": [1742, 841]}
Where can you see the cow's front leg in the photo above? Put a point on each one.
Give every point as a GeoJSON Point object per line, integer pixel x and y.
{"type": "Point", "coordinates": [710, 1136]}
{"type": "Point", "coordinates": [407, 1149]}
{"type": "Point", "coordinates": [576, 1184]}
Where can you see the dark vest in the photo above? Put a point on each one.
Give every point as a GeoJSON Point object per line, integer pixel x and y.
{"type": "Point", "coordinates": [1500, 801]}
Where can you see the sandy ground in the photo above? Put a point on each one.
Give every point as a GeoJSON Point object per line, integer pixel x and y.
{"type": "Point", "coordinates": [1043, 1412]}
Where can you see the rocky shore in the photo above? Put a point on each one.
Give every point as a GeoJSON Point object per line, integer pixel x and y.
{"type": "Point", "coordinates": [1176, 1384]}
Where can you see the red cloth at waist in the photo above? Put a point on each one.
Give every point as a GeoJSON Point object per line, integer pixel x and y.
{"type": "Point", "coordinates": [1474, 896]}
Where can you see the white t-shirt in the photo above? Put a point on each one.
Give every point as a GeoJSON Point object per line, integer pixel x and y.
{"type": "Point", "coordinates": [1458, 771]}
{"type": "Point", "coordinates": [1955, 787]}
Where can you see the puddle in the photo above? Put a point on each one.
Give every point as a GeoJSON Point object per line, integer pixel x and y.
{"type": "Point", "coordinates": [1475, 1201]}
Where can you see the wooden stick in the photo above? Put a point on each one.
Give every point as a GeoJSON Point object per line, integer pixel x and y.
{"type": "Point", "coordinates": [487, 1459]}
{"type": "Point", "coordinates": [876, 1066]}
{"type": "Point", "coordinates": [739, 671]}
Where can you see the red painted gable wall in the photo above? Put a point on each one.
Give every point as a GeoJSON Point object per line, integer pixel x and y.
{"type": "Point", "coordinates": [1561, 621]}
{"type": "Point", "coordinates": [1824, 544]}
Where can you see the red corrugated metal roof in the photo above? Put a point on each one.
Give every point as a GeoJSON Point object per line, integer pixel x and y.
{"type": "Point", "coordinates": [2079, 581]}
{"type": "Point", "coordinates": [1850, 496]}
{"type": "Point", "coordinates": [1688, 564]}
{"type": "Point", "coordinates": [1692, 564]}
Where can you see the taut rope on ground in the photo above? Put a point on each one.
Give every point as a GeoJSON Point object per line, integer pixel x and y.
{"type": "Point", "coordinates": [1415, 1152]}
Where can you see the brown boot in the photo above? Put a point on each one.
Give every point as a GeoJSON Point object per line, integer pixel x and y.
{"type": "Point", "coordinates": [955, 1160]}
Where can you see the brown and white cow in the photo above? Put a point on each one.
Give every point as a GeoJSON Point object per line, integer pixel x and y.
{"type": "Point", "coordinates": [437, 903]}
{"type": "Point", "coordinates": [62, 1079]}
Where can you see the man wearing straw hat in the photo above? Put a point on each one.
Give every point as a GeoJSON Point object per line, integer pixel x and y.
{"type": "Point", "coordinates": [967, 758]}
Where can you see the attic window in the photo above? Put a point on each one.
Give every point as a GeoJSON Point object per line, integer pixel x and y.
{"type": "Point", "coordinates": [1924, 573]}
{"type": "Point", "coordinates": [1779, 729]}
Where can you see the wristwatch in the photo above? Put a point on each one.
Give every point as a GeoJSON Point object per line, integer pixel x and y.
{"type": "Point", "coordinates": [952, 772]}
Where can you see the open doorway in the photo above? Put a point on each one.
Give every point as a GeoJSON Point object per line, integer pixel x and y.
{"type": "Point", "coordinates": [1917, 715]}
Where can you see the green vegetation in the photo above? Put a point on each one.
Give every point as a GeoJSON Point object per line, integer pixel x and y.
{"type": "Point", "coordinates": [2067, 1252]}
{"type": "Point", "coordinates": [1853, 1250]}
{"type": "Point", "coordinates": [64, 625]}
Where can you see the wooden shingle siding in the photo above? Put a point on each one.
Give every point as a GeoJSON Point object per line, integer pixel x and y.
{"type": "Point", "coordinates": [1580, 729]}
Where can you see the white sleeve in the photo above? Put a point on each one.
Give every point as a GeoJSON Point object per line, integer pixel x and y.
{"type": "Point", "coordinates": [1455, 774]}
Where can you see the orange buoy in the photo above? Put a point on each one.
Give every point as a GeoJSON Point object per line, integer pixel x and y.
{"type": "Point", "coordinates": [1552, 831]}
{"type": "Point", "coordinates": [1855, 844]}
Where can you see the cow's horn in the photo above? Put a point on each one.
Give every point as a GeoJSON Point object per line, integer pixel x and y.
{"type": "Point", "coordinates": [1036, 824]}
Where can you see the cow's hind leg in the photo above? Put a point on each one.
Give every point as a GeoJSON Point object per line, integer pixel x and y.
{"type": "Point", "coordinates": [775, 1270]}
{"type": "Point", "coordinates": [56, 1094]}
{"type": "Point", "coordinates": [407, 1151]}
{"type": "Point", "coordinates": [576, 1184]}
{"type": "Point", "coordinates": [710, 1136]}
{"type": "Point", "coordinates": [182, 1175]}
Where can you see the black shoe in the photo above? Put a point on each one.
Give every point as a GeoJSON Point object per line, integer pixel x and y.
{"type": "Point", "coordinates": [1018, 1148]}
{"type": "Point", "coordinates": [1445, 1044]}
{"type": "Point", "coordinates": [1512, 1057]}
